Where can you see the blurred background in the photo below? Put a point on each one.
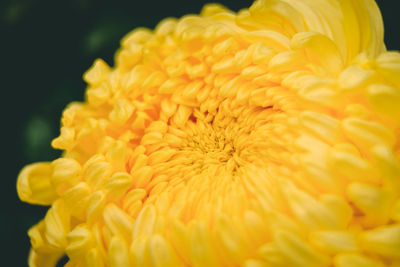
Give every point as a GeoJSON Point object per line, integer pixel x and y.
{"type": "Point", "coordinates": [46, 46]}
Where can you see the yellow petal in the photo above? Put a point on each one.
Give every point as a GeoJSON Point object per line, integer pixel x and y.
{"type": "Point", "coordinates": [121, 112]}
{"type": "Point", "coordinates": [324, 126]}
{"type": "Point", "coordinates": [117, 221]}
{"type": "Point", "coordinates": [161, 253]}
{"type": "Point", "coordinates": [270, 253]}
{"type": "Point", "coordinates": [274, 13]}
{"type": "Point", "coordinates": [334, 241]}
{"type": "Point", "coordinates": [320, 50]}
{"type": "Point", "coordinates": [299, 253]}
{"type": "Point", "coordinates": [80, 240]}
{"type": "Point", "coordinates": [388, 64]}
{"type": "Point", "coordinates": [384, 241]}
{"type": "Point", "coordinates": [66, 172]}
{"type": "Point", "coordinates": [118, 252]}
{"type": "Point", "coordinates": [354, 77]}
{"type": "Point", "coordinates": [367, 133]}
{"type": "Point", "coordinates": [364, 27]}
{"type": "Point", "coordinates": [144, 224]}
{"type": "Point", "coordinates": [386, 100]}
{"type": "Point", "coordinates": [34, 184]}
{"type": "Point", "coordinates": [93, 258]}
{"type": "Point", "coordinates": [76, 198]}
{"type": "Point", "coordinates": [66, 140]}
{"type": "Point", "coordinates": [37, 259]}
{"type": "Point", "coordinates": [97, 73]}
{"type": "Point", "coordinates": [117, 185]}
{"type": "Point", "coordinates": [97, 96]}
{"type": "Point", "coordinates": [355, 260]}
{"type": "Point", "coordinates": [57, 225]}
{"type": "Point", "coordinates": [373, 201]}
{"type": "Point", "coordinates": [388, 165]}
{"type": "Point", "coordinates": [202, 252]}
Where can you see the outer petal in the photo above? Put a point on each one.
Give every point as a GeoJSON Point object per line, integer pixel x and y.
{"type": "Point", "coordinates": [37, 259]}
{"type": "Point", "coordinates": [34, 184]}
{"type": "Point", "coordinates": [363, 27]}
{"type": "Point", "coordinates": [360, 26]}
{"type": "Point", "coordinates": [322, 16]}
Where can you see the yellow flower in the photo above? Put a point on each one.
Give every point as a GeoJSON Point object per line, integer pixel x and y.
{"type": "Point", "coordinates": [270, 137]}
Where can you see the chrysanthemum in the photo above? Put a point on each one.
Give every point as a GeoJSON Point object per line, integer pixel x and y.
{"type": "Point", "coordinates": [270, 137]}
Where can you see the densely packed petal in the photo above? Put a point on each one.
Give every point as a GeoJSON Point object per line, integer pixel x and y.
{"type": "Point", "coordinates": [270, 137]}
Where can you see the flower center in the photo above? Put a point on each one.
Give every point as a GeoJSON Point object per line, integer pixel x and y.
{"type": "Point", "coordinates": [203, 164]}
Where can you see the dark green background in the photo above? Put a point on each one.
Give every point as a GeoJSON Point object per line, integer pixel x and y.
{"type": "Point", "coordinates": [46, 46]}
